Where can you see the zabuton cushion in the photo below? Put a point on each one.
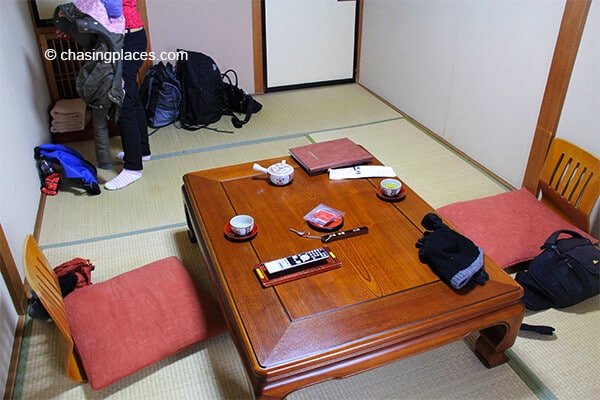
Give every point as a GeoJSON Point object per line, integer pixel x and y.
{"type": "Point", "coordinates": [133, 320]}
{"type": "Point", "coordinates": [510, 227]}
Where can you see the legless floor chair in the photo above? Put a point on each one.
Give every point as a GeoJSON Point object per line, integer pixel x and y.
{"type": "Point", "coordinates": [510, 227]}
{"type": "Point", "coordinates": [117, 327]}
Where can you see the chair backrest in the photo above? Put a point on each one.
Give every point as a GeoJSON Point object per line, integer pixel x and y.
{"type": "Point", "coordinates": [44, 283]}
{"type": "Point", "coordinates": [570, 182]}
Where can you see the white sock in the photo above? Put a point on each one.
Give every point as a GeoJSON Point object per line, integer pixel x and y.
{"type": "Point", "coordinates": [121, 156]}
{"type": "Point", "coordinates": [125, 178]}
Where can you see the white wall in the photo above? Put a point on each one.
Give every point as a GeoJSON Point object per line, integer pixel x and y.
{"type": "Point", "coordinates": [23, 112]}
{"type": "Point", "coordinates": [221, 29]}
{"type": "Point", "coordinates": [580, 118]}
{"type": "Point", "coordinates": [472, 71]}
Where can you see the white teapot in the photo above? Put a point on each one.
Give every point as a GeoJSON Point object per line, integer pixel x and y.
{"type": "Point", "coordinates": [279, 173]}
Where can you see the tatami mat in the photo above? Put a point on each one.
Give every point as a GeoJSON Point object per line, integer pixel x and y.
{"type": "Point", "coordinates": [307, 111]}
{"type": "Point", "coordinates": [128, 228]}
{"type": "Point", "coordinates": [438, 175]}
{"type": "Point", "coordinates": [450, 372]}
{"type": "Point", "coordinates": [154, 201]}
{"type": "Point", "coordinates": [567, 363]}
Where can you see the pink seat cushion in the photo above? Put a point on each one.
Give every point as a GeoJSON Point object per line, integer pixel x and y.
{"type": "Point", "coordinates": [510, 227]}
{"type": "Point", "coordinates": [131, 321]}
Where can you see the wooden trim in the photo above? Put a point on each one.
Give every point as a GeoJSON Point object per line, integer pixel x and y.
{"type": "Point", "coordinates": [11, 275]}
{"type": "Point", "coordinates": [143, 10]}
{"type": "Point", "coordinates": [257, 44]}
{"type": "Point", "coordinates": [565, 52]}
{"type": "Point", "coordinates": [358, 44]}
{"type": "Point", "coordinates": [13, 369]}
{"type": "Point", "coordinates": [39, 217]}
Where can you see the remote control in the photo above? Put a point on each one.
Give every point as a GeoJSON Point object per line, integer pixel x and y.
{"type": "Point", "coordinates": [297, 261]}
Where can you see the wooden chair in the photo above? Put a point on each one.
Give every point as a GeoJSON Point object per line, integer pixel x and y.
{"type": "Point", "coordinates": [113, 328]}
{"type": "Point", "coordinates": [510, 227]}
{"type": "Point", "coordinates": [570, 182]}
{"type": "Point", "coordinates": [44, 283]}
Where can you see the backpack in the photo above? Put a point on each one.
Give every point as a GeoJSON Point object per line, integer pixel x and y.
{"type": "Point", "coordinates": [565, 273]}
{"type": "Point", "coordinates": [237, 100]}
{"type": "Point", "coordinates": [205, 95]}
{"type": "Point", "coordinates": [161, 95]}
{"type": "Point", "coordinates": [71, 163]}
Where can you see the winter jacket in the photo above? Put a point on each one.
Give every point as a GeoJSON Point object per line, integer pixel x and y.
{"type": "Point", "coordinates": [99, 83]}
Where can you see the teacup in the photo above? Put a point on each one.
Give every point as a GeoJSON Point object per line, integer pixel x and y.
{"type": "Point", "coordinates": [390, 187]}
{"type": "Point", "coordinates": [279, 173]}
{"type": "Point", "coordinates": [241, 225]}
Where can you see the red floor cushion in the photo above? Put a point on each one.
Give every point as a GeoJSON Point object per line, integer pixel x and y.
{"type": "Point", "coordinates": [133, 320]}
{"type": "Point", "coordinates": [510, 227]}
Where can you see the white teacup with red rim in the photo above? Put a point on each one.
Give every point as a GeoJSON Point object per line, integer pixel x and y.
{"type": "Point", "coordinates": [390, 187]}
{"type": "Point", "coordinates": [241, 225]}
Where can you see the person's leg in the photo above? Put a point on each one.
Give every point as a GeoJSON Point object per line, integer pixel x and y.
{"type": "Point", "coordinates": [101, 138]}
{"type": "Point", "coordinates": [132, 125]}
{"type": "Point", "coordinates": [132, 120]}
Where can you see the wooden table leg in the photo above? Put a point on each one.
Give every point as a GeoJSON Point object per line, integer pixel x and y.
{"type": "Point", "coordinates": [493, 341]}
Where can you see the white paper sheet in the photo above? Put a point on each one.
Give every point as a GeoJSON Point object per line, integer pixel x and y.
{"type": "Point", "coordinates": [362, 171]}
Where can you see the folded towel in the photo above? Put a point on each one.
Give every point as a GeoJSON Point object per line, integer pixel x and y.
{"type": "Point", "coordinates": [62, 118]}
{"type": "Point", "coordinates": [70, 125]}
{"type": "Point", "coordinates": [75, 122]}
{"type": "Point", "coordinates": [68, 108]}
{"type": "Point", "coordinates": [66, 128]}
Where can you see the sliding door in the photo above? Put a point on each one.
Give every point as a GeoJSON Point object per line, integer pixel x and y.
{"type": "Point", "coordinates": [308, 42]}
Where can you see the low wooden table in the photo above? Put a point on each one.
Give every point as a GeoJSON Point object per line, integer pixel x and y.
{"type": "Point", "coordinates": [382, 305]}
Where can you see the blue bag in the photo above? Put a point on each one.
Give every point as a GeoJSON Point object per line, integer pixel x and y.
{"type": "Point", "coordinates": [72, 165]}
{"type": "Point", "coordinates": [161, 95]}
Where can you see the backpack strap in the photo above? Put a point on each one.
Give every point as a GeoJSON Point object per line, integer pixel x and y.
{"type": "Point", "coordinates": [253, 105]}
{"type": "Point", "coordinates": [552, 239]}
{"type": "Point", "coordinates": [225, 75]}
{"type": "Point", "coordinates": [541, 329]}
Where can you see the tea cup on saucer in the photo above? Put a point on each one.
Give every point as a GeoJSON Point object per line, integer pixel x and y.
{"type": "Point", "coordinates": [241, 225]}
{"type": "Point", "coordinates": [390, 187]}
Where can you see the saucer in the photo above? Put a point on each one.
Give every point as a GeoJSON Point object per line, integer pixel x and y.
{"type": "Point", "coordinates": [230, 235]}
{"type": "Point", "coordinates": [330, 227]}
{"type": "Point", "coordinates": [399, 197]}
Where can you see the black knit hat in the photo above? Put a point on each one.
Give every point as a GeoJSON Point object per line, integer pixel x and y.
{"type": "Point", "coordinates": [454, 258]}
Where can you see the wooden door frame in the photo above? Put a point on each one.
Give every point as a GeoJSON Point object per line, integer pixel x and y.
{"type": "Point", "coordinates": [257, 43]}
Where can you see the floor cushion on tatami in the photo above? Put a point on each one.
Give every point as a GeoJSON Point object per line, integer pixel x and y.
{"type": "Point", "coordinates": [510, 227]}
{"type": "Point", "coordinates": [133, 320]}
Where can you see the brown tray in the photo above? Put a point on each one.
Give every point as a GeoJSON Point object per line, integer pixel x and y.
{"type": "Point", "coordinates": [261, 271]}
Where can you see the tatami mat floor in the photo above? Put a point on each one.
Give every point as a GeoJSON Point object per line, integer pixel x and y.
{"type": "Point", "coordinates": [145, 222]}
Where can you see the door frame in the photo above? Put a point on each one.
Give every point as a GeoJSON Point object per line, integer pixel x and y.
{"type": "Point", "coordinates": [259, 53]}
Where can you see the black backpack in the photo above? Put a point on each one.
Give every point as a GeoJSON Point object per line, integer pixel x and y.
{"type": "Point", "coordinates": [161, 95]}
{"type": "Point", "coordinates": [206, 97]}
{"type": "Point", "coordinates": [565, 273]}
{"type": "Point", "coordinates": [203, 98]}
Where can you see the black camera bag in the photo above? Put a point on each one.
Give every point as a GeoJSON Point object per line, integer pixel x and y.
{"type": "Point", "coordinates": [565, 273]}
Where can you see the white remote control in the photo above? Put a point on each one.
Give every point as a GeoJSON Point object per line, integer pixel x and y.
{"type": "Point", "coordinates": [297, 261]}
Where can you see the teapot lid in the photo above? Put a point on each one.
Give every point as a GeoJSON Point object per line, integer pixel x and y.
{"type": "Point", "coordinates": [280, 168]}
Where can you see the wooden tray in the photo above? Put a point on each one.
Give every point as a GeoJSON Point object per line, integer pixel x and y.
{"type": "Point", "coordinates": [267, 281]}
